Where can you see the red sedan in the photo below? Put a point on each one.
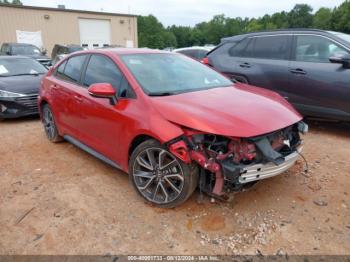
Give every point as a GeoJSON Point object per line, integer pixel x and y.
{"type": "Point", "coordinates": [168, 121]}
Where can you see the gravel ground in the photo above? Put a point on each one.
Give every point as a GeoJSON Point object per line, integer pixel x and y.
{"type": "Point", "coordinates": [56, 199]}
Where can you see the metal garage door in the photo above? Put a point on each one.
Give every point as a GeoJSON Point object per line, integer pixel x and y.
{"type": "Point", "coordinates": [94, 32]}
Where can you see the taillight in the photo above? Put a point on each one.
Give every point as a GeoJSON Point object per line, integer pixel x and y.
{"type": "Point", "coordinates": [205, 61]}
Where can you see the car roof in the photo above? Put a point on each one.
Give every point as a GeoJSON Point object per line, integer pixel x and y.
{"type": "Point", "coordinates": [19, 44]}
{"type": "Point", "coordinates": [15, 57]}
{"type": "Point", "coordinates": [274, 32]}
{"type": "Point", "coordinates": [123, 51]}
{"type": "Point", "coordinates": [206, 48]}
{"type": "Point", "coordinates": [68, 45]}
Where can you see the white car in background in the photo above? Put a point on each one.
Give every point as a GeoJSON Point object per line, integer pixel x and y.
{"type": "Point", "coordinates": [196, 52]}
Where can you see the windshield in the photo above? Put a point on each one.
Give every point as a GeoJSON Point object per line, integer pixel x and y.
{"type": "Point", "coordinates": [20, 66]}
{"type": "Point", "coordinates": [166, 74]}
{"type": "Point", "coordinates": [25, 50]}
{"type": "Point", "coordinates": [75, 49]}
{"type": "Point", "coordinates": [343, 36]}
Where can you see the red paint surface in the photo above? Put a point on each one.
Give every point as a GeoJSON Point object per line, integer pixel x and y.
{"type": "Point", "coordinates": [240, 111]}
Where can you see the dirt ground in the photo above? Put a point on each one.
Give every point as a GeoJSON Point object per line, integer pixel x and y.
{"type": "Point", "coordinates": [57, 199]}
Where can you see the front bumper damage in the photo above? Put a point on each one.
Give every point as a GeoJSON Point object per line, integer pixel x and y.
{"type": "Point", "coordinates": [230, 163]}
{"type": "Point", "coordinates": [257, 172]}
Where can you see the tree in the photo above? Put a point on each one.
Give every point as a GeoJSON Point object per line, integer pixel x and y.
{"type": "Point", "coordinates": [323, 19]}
{"type": "Point", "coordinates": [17, 2]}
{"type": "Point", "coordinates": [152, 33]}
{"type": "Point", "coordinates": [14, 2]}
{"type": "Point", "coordinates": [254, 26]}
{"type": "Point", "coordinates": [300, 16]}
{"type": "Point", "coordinates": [182, 34]}
{"type": "Point", "coordinates": [216, 29]}
{"type": "Point", "coordinates": [341, 18]}
{"type": "Point", "coordinates": [169, 39]}
{"type": "Point", "coordinates": [280, 20]}
{"type": "Point", "coordinates": [233, 26]}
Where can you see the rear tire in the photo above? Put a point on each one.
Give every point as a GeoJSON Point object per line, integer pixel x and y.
{"type": "Point", "coordinates": [50, 125]}
{"type": "Point", "coordinates": [160, 177]}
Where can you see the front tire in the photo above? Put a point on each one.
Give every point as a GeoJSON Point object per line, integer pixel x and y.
{"type": "Point", "coordinates": [160, 177]}
{"type": "Point", "coordinates": [50, 125]}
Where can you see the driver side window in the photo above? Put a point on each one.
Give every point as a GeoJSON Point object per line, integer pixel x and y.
{"type": "Point", "coordinates": [102, 69]}
{"type": "Point", "coordinates": [310, 48]}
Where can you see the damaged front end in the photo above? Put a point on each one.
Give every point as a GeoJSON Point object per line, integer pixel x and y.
{"type": "Point", "coordinates": [229, 163]}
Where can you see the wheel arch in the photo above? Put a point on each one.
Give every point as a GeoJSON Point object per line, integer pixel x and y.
{"type": "Point", "coordinates": [41, 105]}
{"type": "Point", "coordinates": [137, 141]}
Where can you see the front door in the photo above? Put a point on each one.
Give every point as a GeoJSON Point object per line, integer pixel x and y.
{"type": "Point", "coordinates": [102, 122]}
{"type": "Point", "coordinates": [319, 87]}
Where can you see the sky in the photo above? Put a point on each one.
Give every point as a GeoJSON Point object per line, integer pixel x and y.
{"type": "Point", "coordinates": [186, 12]}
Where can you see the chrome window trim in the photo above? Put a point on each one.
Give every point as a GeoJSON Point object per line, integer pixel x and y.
{"type": "Point", "coordinates": [302, 34]}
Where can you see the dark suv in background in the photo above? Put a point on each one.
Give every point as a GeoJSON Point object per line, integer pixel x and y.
{"type": "Point", "coordinates": [28, 50]}
{"type": "Point", "coordinates": [310, 68]}
{"type": "Point", "coordinates": [61, 51]}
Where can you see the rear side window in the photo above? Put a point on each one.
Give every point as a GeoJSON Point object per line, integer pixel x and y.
{"type": "Point", "coordinates": [239, 49]}
{"type": "Point", "coordinates": [72, 69]}
{"type": "Point", "coordinates": [271, 47]}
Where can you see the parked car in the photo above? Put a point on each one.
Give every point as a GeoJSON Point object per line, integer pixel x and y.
{"type": "Point", "coordinates": [196, 52]}
{"type": "Point", "coordinates": [310, 68]}
{"type": "Point", "coordinates": [20, 79]}
{"type": "Point", "coordinates": [60, 51]}
{"type": "Point", "coordinates": [29, 50]}
{"type": "Point", "coordinates": [169, 121]}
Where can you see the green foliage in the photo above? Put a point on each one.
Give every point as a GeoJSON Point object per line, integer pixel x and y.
{"type": "Point", "coordinates": [323, 19]}
{"type": "Point", "coordinates": [14, 2]}
{"type": "Point", "coordinates": [341, 18]}
{"type": "Point", "coordinates": [300, 16]}
{"type": "Point", "coordinates": [153, 34]}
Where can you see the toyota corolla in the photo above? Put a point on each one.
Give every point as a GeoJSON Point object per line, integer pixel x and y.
{"type": "Point", "coordinates": [170, 122]}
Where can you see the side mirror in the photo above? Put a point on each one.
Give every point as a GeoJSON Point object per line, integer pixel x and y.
{"type": "Point", "coordinates": [43, 51]}
{"type": "Point", "coordinates": [103, 90]}
{"type": "Point", "coordinates": [343, 59]}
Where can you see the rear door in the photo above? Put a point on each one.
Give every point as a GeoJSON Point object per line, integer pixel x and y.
{"type": "Point", "coordinates": [264, 60]}
{"type": "Point", "coordinates": [319, 87]}
{"type": "Point", "coordinates": [66, 94]}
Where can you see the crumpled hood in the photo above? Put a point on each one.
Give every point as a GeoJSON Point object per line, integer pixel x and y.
{"type": "Point", "coordinates": [21, 84]}
{"type": "Point", "coordinates": [238, 111]}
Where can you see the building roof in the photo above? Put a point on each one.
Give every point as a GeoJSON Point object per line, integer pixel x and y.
{"type": "Point", "coordinates": [64, 10]}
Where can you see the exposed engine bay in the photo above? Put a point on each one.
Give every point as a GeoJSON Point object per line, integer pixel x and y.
{"type": "Point", "coordinates": [229, 163]}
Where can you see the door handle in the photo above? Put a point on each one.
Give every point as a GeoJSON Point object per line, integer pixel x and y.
{"type": "Point", "coordinates": [298, 71]}
{"type": "Point", "coordinates": [78, 98]}
{"type": "Point", "coordinates": [54, 86]}
{"type": "Point", "coordinates": [245, 65]}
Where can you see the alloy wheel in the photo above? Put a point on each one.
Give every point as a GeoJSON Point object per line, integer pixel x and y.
{"type": "Point", "coordinates": [49, 123]}
{"type": "Point", "coordinates": [158, 175]}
